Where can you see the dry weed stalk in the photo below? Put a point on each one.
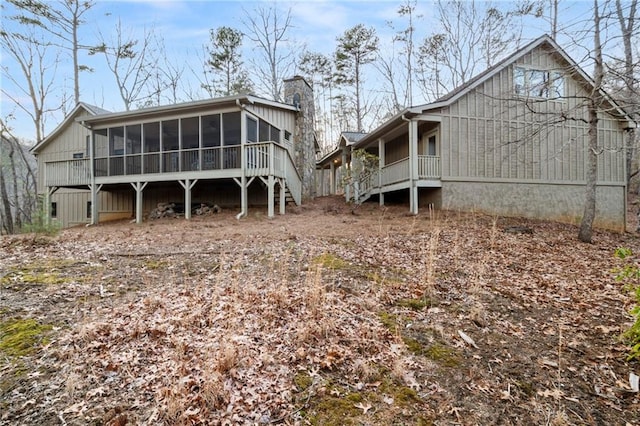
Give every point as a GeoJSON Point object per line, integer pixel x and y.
{"type": "Point", "coordinates": [430, 256]}
{"type": "Point", "coordinates": [316, 292]}
{"type": "Point", "coordinates": [227, 357]}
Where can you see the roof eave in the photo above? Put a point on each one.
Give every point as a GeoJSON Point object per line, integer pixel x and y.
{"type": "Point", "coordinates": [159, 110]}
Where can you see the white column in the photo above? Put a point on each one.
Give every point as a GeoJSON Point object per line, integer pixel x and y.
{"type": "Point", "coordinates": [381, 162]}
{"type": "Point", "coordinates": [94, 202]}
{"type": "Point", "coordinates": [332, 178]}
{"type": "Point", "coordinates": [413, 167]}
{"type": "Point", "coordinates": [283, 195]}
{"type": "Point", "coordinates": [188, 186]}
{"type": "Point", "coordinates": [138, 187]}
{"type": "Point", "coordinates": [270, 195]}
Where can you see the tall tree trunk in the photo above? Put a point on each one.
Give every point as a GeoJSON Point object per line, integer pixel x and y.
{"type": "Point", "coordinates": [595, 103]}
{"type": "Point", "coordinates": [8, 214]}
{"type": "Point", "coordinates": [16, 194]}
{"type": "Point", "coordinates": [627, 29]}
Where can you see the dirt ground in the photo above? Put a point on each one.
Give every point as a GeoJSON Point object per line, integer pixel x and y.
{"type": "Point", "coordinates": [327, 315]}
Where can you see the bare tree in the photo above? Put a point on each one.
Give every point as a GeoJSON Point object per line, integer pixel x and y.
{"type": "Point", "coordinates": [630, 95]}
{"type": "Point", "coordinates": [267, 28]}
{"type": "Point", "coordinates": [471, 38]}
{"type": "Point", "coordinates": [166, 80]}
{"type": "Point", "coordinates": [6, 162]}
{"type": "Point", "coordinates": [62, 20]}
{"type": "Point", "coordinates": [593, 107]}
{"type": "Point", "coordinates": [132, 62]}
{"type": "Point", "coordinates": [37, 63]}
{"type": "Point", "coordinates": [18, 190]}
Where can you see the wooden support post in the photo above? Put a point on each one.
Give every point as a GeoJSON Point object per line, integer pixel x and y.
{"type": "Point", "coordinates": [188, 186]}
{"type": "Point", "coordinates": [270, 196]}
{"type": "Point", "coordinates": [47, 203]}
{"type": "Point", "coordinates": [270, 181]}
{"type": "Point", "coordinates": [138, 187]}
{"type": "Point", "coordinates": [332, 179]}
{"type": "Point", "coordinates": [381, 163]}
{"type": "Point", "coordinates": [95, 188]}
{"type": "Point", "coordinates": [283, 195]}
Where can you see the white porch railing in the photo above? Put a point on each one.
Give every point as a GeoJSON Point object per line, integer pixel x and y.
{"type": "Point", "coordinates": [395, 172]}
{"type": "Point", "coordinates": [428, 167]}
{"type": "Point", "coordinates": [259, 163]}
{"type": "Point", "coordinates": [360, 189]}
{"type": "Point", "coordinates": [68, 172]}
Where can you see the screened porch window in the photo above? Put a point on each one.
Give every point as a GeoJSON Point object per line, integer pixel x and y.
{"type": "Point", "coordinates": [231, 128]}
{"type": "Point", "coordinates": [211, 130]}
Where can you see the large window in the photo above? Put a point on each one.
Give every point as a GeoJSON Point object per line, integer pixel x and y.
{"type": "Point", "coordinates": [538, 83]}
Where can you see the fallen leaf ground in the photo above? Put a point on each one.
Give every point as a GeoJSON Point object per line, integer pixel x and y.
{"type": "Point", "coordinates": [327, 315]}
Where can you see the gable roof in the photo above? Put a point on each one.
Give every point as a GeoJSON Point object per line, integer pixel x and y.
{"type": "Point", "coordinates": [69, 118]}
{"type": "Point", "coordinates": [479, 79]}
{"type": "Point", "coordinates": [346, 139]}
{"type": "Point", "coordinates": [187, 106]}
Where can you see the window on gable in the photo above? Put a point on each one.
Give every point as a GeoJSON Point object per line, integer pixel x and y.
{"type": "Point", "coordinates": [538, 83]}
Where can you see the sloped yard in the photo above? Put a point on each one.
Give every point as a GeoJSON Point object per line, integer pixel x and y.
{"type": "Point", "coordinates": [325, 316]}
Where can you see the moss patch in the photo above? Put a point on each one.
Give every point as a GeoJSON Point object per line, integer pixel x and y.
{"type": "Point", "coordinates": [339, 405]}
{"type": "Point", "coordinates": [330, 261]}
{"type": "Point", "coordinates": [50, 272]}
{"type": "Point", "coordinates": [443, 355]}
{"type": "Point", "coordinates": [333, 411]}
{"type": "Point", "coordinates": [20, 337]}
{"type": "Point", "coordinates": [390, 321]}
{"type": "Point", "coordinates": [414, 304]}
{"type": "Point", "coordinates": [303, 381]}
{"type": "Point", "coordinates": [155, 264]}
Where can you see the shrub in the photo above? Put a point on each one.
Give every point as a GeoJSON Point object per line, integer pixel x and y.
{"type": "Point", "coordinates": [629, 273]}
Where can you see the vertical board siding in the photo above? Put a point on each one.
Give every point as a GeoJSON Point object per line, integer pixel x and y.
{"type": "Point", "coordinates": [489, 133]}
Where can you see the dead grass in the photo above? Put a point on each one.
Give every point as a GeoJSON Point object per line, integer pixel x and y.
{"type": "Point", "coordinates": [323, 317]}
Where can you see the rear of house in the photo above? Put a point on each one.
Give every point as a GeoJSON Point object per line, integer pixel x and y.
{"type": "Point", "coordinates": [233, 152]}
{"type": "Point", "coordinates": [512, 141]}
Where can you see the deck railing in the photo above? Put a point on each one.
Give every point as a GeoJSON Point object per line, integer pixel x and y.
{"type": "Point", "coordinates": [392, 173]}
{"type": "Point", "coordinates": [262, 159]}
{"type": "Point", "coordinates": [68, 172]}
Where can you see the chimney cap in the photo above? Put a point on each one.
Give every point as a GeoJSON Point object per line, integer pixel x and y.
{"type": "Point", "coordinates": [297, 77]}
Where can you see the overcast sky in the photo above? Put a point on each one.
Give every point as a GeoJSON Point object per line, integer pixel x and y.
{"type": "Point", "coordinates": [184, 26]}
